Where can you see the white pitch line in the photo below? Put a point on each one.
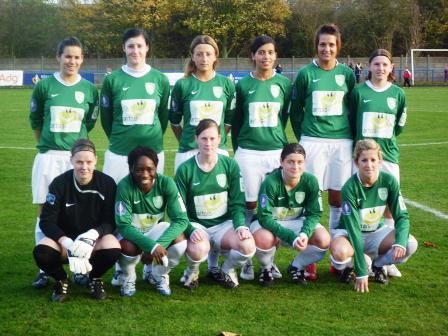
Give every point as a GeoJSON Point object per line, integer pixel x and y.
{"type": "Point", "coordinates": [424, 144]}
{"type": "Point", "coordinates": [425, 208]}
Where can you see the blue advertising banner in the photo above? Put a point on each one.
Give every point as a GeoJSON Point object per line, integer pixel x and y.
{"type": "Point", "coordinates": [32, 77]}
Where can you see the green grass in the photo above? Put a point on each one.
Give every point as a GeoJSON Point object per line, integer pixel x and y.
{"type": "Point", "coordinates": [415, 304]}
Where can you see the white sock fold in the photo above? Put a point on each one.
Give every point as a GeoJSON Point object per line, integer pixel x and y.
{"type": "Point", "coordinates": [341, 265]}
{"type": "Point", "coordinates": [235, 259]}
{"type": "Point", "coordinates": [127, 264]}
{"type": "Point", "coordinates": [266, 257]}
{"type": "Point", "coordinates": [312, 254]}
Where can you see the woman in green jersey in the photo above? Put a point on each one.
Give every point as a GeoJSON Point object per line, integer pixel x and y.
{"type": "Point", "coordinates": [201, 94]}
{"type": "Point", "coordinates": [365, 197]}
{"type": "Point", "coordinates": [62, 110]}
{"type": "Point", "coordinates": [258, 127]}
{"type": "Point", "coordinates": [379, 110]}
{"type": "Point", "coordinates": [289, 210]}
{"type": "Point", "coordinates": [142, 198]}
{"type": "Point", "coordinates": [134, 106]}
{"type": "Point", "coordinates": [211, 185]}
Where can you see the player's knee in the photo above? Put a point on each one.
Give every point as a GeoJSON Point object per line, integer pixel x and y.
{"type": "Point", "coordinates": [46, 256]}
{"type": "Point", "coordinates": [107, 242]}
{"type": "Point", "coordinates": [247, 246]}
{"type": "Point", "coordinates": [341, 251]}
{"type": "Point", "coordinates": [198, 250]}
{"type": "Point", "coordinates": [321, 239]}
{"type": "Point", "coordinates": [129, 248]}
{"type": "Point", "coordinates": [264, 239]}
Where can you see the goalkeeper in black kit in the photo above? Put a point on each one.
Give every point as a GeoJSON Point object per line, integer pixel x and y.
{"type": "Point", "coordinates": [78, 221]}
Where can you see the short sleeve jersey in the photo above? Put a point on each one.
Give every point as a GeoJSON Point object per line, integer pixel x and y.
{"type": "Point", "coordinates": [319, 104]}
{"type": "Point", "coordinates": [193, 100]}
{"type": "Point", "coordinates": [380, 115]}
{"type": "Point", "coordinates": [134, 110]}
{"type": "Point", "coordinates": [212, 197]}
{"type": "Point", "coordinates": [64, 113]}
{"type": "Point", "coordinates": [136, 212]}
{"type": "Point", "coordinates": [261, 113]}
{"type": "Point", "coordinates": [363, 209]}
{"type": "Point", "coordinates": [275, 203]}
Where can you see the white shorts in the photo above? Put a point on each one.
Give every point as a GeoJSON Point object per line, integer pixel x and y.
{"type": "Point", "coordinates": [293, 225]}
{"type": "Point", "coordinates": [116, 166]}
{"type": "Point", "coordinates": [182, 157]}
{"type": "Point", "coordinates": [370, 240]}
{"type": "Point", "coordinates": [254, 166]}
{"type": "Point", "coordinates": [330, 160]}
{"type": "Point", "coordinates": [215, 233]}
{"type": "Point", "coordinates": [386, 166]}
{"type": "Point", "coordinates": [46, 167]}
{"type": "Point", "coordinates": [154, 233]}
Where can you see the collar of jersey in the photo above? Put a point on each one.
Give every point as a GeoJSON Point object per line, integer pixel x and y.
{"type": "Point", "coordinates": [377, 89]}
{"type": "Point", "coordinates": [87, 191]}
{"type": "Point", "coordinates": [136, 73]}
{"type": "Point", "coordinates": [252, 75]}
{"type": "Point", "coordinates": [58, 77]}
{"type": "Point", "coordinates": [199, 166]}
{"type": "Point", "coordinates": [213, 77]}
{"type": "Point", "coordinates": [316, 64]}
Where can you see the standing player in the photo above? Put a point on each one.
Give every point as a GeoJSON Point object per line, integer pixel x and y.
{"type": "Point", "coordinates": [211, 185]}
{"type": "Point", "coordinates": [142, 198]}
{"type": "Point", "coordinates": [77, 221]}
{"type": "Point", "coordinates": [289, 209]}
{"type": "Point", "coordinates": [62, 110]}
{"type": "Point", "coordinates": [365, 197]}
{"type": "Point", "coordinates": [258, 127]}
{"type": "Point", "coordinates": [320, 117]}
{"type": "Point", "coordinates": [134, 106]}
{"type": "Point", "coordinates": [201, 94]}
{"type": "Point", "coordinates": [379, 109]}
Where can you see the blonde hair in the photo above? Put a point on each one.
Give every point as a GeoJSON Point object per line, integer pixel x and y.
{"type": "Point", "coordinates": [200, 39]}
{"type": "Point", "coordinates": [365, 145]}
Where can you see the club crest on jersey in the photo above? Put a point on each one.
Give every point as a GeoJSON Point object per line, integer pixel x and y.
{"type": "Point", "coordinates": [120, 208]}
{"type": "Point", "coordinates": [157, 201]}
{"type": "Point", "coordinates": [51, 198]}
{"type": "Point", "coordinates": [346, 209]}
{"type": "Point", "coordinates": [340, 79]}
{"type": "Point", "coordinates": [221, 179]}
{"type": "Point", "coordinates": [217, 91]}
{"type": "Point", "coordinates": [275, 90]}
{"type": "Point", "coordinates": [382, 193]}
{"type": "Point", "coordinates": [150, 88]}
{"type": "Point", "coordinates": [300, 196]}
{"type": "Point", "coordinates": [79, 97]}
{"type": "Point", "coordinates": [391, 102]}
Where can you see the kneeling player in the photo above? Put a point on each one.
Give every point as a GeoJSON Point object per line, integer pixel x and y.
{"type": "Point", "coordinates": [142, 198]}
{"type": "Point", "coordinates": [361, 228]}
{"type": "Point", "coordinates": [211, 185]}
{"type": "Point", "coordinates": [77, 220]}
{"type": "Point", "coordinates": [289, 209]}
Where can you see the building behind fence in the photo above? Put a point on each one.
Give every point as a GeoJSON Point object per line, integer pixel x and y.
{"type": "Point", "coordinates": [426, 69]}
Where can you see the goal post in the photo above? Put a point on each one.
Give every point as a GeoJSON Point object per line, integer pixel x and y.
{"type": "Point", "coordinates": [412, 60]}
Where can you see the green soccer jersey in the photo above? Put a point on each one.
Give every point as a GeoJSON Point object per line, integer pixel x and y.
{"type": "Point", "coordinates": [379, 115]}
{"type": "Point", "coordinates": [212, 197]}
{"type": "Point", "coordinates": [261, 113]}
{"type": "Point", "coordinates": [136, 213]}
{"type": "Point", "coordinates": [319, 103]}
{"type": "Point", "coordinates": [363, 209]}
{"type": "Point", "coordinates": [194, 100]}
{"type": "Point", "coordinates": [275, 203]}
{"type": "Point", "coordinates": [134, 110]}
{"type": "Point", "coordinates": [63, 113]}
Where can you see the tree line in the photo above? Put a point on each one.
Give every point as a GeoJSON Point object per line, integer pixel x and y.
{"type": "Point", "coordinates": [32, 28]}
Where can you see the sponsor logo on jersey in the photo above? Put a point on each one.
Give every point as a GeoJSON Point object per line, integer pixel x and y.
{"type": "Point", "coordinates": [346, 209]}
{"type": "Point", "coordinates": [194, 92]}
{"type": "Point", "coordinates": [251, 91]}
{"type": "Point", "coordinates": [391, 102]}
{"type": "Point", "coordinates": [217, 91]}
{"type": "Point", "coordinates": [125, 88]}
{"type": "Point", "coordinates": [68, 205]}
{"type": "Point", "coordinates": [137, 202]}
{"type": "Point", "coordinates": [120, 208]}
{"type": "Point", "coordinates": [221, 179]}
{"type": "Point", "coordinates": [79, 97]}
{"type": "Point", "coordinates": [316, 80]}
{"type": "Point", "coordinates": [365, 101]}
{"type": "Point", "coordinates": [33, 105]}
{"type": "Point", "coordinates": [54, 95]}
{"type": "Point", "coordinates": [196, 183]}
{"type": "Point", "coordinates": [105, 101]}
{"type": "Point", "coordinates": [382, 193]}
{"type": "Point", "coordinates": [300, 196]}
{"type": "Point", "coordinates": [340, 79]}
{"type": "Point", "coordinates": [275, 90]}
{"type": "Point", "coordinates": [263, 200]}
{"type": "Point", "coordinates": [51, 198]}
{"type": "Point", "coordinates": [150, 88]}
{"type": "Point", "coordinates": [157, 201]}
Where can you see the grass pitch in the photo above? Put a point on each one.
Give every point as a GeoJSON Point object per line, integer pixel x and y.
{"type": "Point", "coordinates": [414, 304]}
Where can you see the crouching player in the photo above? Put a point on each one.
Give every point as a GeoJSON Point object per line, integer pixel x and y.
{"type": "Point", "coordinates": [212, 187]}
{"type": "Point", "coordinates": [142, 197]}
{"type": "Point", "coordinates": [289, 209]}
{"type": "Point", "coordinates": [361, 229]}
{"type": "Point", "coordinates": [77, 221]}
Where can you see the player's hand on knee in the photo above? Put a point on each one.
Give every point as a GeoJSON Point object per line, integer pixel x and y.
{"type": "Point", "coordinates": [84, 244]}
{"type": "Point", "coordinates": [301, 242]}
{"type": "Point", "coordinates": [160, 255]}
{"type": "Point", "coordinates": [399, 252]}
{"type": "Point", "coordinates": [243, 233]}
{"type": "Point", "coordinates": [197, 236]}
{"type": "Point", "coordinates": [362, 285]}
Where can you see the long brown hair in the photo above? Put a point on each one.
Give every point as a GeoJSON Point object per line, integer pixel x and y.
{"type": "Point", "coordinates": [200, 39]}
